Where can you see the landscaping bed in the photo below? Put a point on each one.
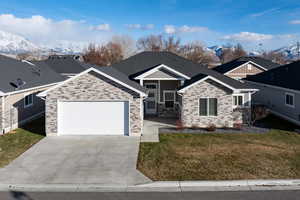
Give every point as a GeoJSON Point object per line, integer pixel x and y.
{"type": "Point", "coordinates": [18, 141]}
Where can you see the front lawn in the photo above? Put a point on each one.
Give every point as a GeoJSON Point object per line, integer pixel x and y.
{"type": "Point", "coordinates": [18, 141]}
{"type": "Point", "coordinates": [222, 156]}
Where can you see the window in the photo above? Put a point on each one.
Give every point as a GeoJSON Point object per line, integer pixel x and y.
{"type": "Point", "coordinates": [150, 86]}
{"type": "Point", "coordinates": [28, 100]}
{"type": "Point", "coordinates": [289, 99]}
{"type": "Point", "coordinates": [169, 98]}
{"type": "Point", "coordinates": [249, 66]}
{"type": "Point", "coordinates": [238, 100]}
{"type": "Point", "coordinates": [208, 107]}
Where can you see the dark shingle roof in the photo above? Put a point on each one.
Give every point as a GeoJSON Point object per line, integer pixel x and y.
{"type": "Point", "coordinates": [117, 75]}
{"type": "Point", "coordinates": [32, 74]}
{"type": "Point", "coordinates": [144, 61]}
{"type": "Point", "coordinates": [286, 76]}
{"type": "Point", "coordinates": [63, 64]}
{"type": "Point", "coordinates": [226, 67]}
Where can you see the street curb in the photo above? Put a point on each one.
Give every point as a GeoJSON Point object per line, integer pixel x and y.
{"type": "Point", "coordinates": [161, 186]}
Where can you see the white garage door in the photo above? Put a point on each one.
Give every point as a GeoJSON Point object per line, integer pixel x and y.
{"type": "Point", "coordinates": [93, 118]}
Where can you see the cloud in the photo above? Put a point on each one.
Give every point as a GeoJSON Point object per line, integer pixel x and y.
{"type": "Point", "coordinates": [265, 12]}
{"type": "Point", "coordinates": [247, 36]}
{"type": "Point", "coordinates": [46, 31]}
{"type": "Point", "coordinates": [297, 21]}
{"type": "Point", "coordinates": [101, 27]}
{"type": "Point", "coordinates": [140, 26]}
{"type": "Point", "coordinates": [170, 29]}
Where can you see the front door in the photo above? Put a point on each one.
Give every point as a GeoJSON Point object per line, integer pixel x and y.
{"type": "Point", "coordinates": [151, 100]}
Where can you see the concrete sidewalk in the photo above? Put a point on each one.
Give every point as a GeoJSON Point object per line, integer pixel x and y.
{"type": "Point", "coordinates": [162, 186]}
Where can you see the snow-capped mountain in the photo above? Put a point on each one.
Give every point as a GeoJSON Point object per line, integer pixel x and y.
{"type": "Point", "coordinates": [14, 44]}
{"type": "Point", "coordinates": [291, 52]}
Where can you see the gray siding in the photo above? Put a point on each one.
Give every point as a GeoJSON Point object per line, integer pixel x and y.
{"type": "Point", "coordinates": [1, 115]}
{"type": "Point", "coordinates": [161, 73]}
{"type": "Point", "coordinates": [274, 98]}
{"type": "Point", "coordinates": [93, 87]}
{"type": "Point", "coordinates": [168, 85]}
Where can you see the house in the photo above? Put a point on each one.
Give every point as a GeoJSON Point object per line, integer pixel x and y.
{"type": "Point", "coordinates": [65, 65]}
{"type": "Point", "coordinates": [245, 66]}
{"type": "Point", "coordinates": [279, 90]}
{"type": "Point", "coordinates": [20, 81]}
{"type": "Point", "coordinates": [115, 100]}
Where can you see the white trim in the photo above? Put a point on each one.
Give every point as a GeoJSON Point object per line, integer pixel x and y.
{"type": "Point", "coordinates": [29, 89]}
{"type": "Point", "coordinates": [44, 93]}
{"type": "Point", "coordinates": [169, 91]}
{"type": "Point", "coordinates": [275, 87]}
{"type": "Point", "coordinates": [243, 100]}
{"type": "Point", "coordinates": [24, 99]}
{"type": "Point", "coordinates": [155, 69]}
{"type": "Point", "coordinates": [207, 107]}
{"type": "Point", "coordinates": [151, 79]}
{"type": "Point", "coordinates": [245, 64]}
{"type": "Point", "coordinates": [205, 78]}
{"type": "Point", "coordinates": [289, 94]}
{"type": "Point", "coordinates": [285, 117]}
{"type": "Point", "coordinates": [102, 100]}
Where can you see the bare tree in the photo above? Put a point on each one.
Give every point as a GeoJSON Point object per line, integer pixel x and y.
{"type": "Point", "coordinates": [127, 44]}
{"type": "Point", "coordinates": [275, 57]}
{"type": "Point", "coordinates": [103, 55]}
{"type": "Point", "coordinates": [159, 43]}
{"type": "Point", "coordinates": [195, 52]}
{"type": "Point", "coordinates": [230, 53]}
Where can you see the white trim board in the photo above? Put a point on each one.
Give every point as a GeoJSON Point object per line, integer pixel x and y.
{"type": "Point", "coordinates": [275, 87]}
{"type": "Point", "coordinates": [44, 93]}
{"type": "Point", "coordinates": [155, 69]}
{"type": "Point", "coordinates": [249, 62]}
{"type": "Point", "coordinates": [216, 80]}
{"type": "Point", "coordinates": [29, 89]}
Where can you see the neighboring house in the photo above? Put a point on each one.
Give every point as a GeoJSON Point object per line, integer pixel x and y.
{"type": "Point", "coordinates": [20, 81]}
{"type": "Point", "coordinates": [279, 90]}
{"type": "Point", "coordinates": [114, 100]}
{"type": "Point", "coordinates": [65, 65]}
{"type": "Point", "coordinates": [245, 66]}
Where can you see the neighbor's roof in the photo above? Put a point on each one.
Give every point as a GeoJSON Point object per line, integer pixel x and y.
{"type": "Point", "coordinates": [286, 76]}
{"type": "Point", "coordinates": [63, 64]}
{"type": "Point", "coordinates": [146, 61]}
{"type": "Point", "coordinates": [226, 67]}
{"type": "Point", "coordinates": [33, 75]}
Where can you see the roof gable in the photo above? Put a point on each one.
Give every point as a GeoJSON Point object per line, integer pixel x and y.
{"type": "Point", "coordinates": [108, 73]}
{"type": "Point", "coordinates": [163, 70]}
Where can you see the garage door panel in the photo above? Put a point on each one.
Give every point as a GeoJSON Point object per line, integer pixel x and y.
{"type": "Point", "coordinates": [93, 118]}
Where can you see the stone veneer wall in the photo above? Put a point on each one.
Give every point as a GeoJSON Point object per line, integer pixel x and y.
{"type": "Point", "coordinates": [207, 89]}
{"type": "Point", "coordinates": [92, 87]}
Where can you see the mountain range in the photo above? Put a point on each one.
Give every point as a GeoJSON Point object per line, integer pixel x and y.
{"type": "Point", "coordinates": [12, 44]}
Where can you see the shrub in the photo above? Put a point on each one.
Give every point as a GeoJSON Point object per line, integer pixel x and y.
{"type": "Point", "coordinates": [211, 127]}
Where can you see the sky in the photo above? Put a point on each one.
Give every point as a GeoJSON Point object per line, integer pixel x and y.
{"type": "Point", "coordinates": [263, 24]}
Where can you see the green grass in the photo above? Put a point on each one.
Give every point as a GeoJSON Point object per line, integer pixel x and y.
{"type": "Point", "coordinates": [18, 141]}
{"type": "Point", "coordinates": [222, 156]}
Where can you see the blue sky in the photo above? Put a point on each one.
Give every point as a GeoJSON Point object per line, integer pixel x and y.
{"type": "Point", "coordinates": [270, 23]}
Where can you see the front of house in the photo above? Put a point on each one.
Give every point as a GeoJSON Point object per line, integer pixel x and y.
{"type": "Point", "coordinates": [115, 100]}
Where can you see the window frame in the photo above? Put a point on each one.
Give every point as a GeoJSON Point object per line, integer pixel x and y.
{"type": "Point", "coordinates": [285, 99]}
{"type": "Point", "coordinates": [174, 100]}
{"type": "Point", "coordinates": [31, 103]}
{"type": "Point", "coordinates": [207, 106]}
{"type": "Point", "coordinates": [243, 100]}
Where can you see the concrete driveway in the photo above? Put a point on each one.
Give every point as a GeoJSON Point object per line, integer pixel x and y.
{"type": "Point", "coordinates": [107, 160]}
